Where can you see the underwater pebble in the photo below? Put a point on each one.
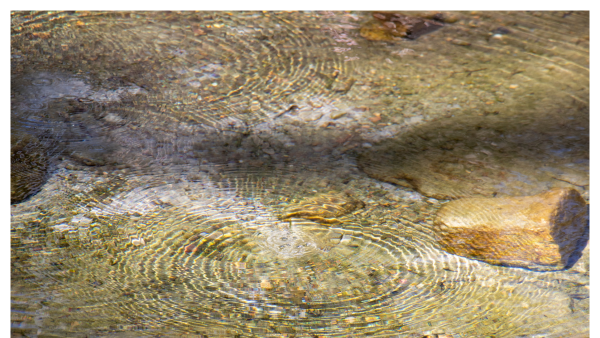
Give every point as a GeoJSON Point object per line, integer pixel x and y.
{"type": "Point", "coordinates": [195, 84]}
{"type": "Point", "coordinates": [110, 117]}
{"type": "Point", "coordinates": [414, 119]}
{"type": "Point", "coordinates": [81, 219]}
{"type": "Point", "coordinates": [63, 227]}
{"type": "Point", "coordinates": [138, 242]}
{"type": "Point", "coordinates": [346, 238]}
{"type": "Point", "coordinates": [265, 284]}
{"type": "Point", "coordinates": [336, 115]}
{"type": "Point", "coordinates": [215, 235]}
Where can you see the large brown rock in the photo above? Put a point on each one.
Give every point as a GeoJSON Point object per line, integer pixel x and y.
{"type": "Point", "coordinates": [542, 232]}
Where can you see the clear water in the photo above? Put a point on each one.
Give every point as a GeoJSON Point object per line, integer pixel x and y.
{"type": "Point", "coordinates": [162, 151]}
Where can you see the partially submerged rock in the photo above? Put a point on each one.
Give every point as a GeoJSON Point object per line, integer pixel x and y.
{"type": "Point", "coordinates": [542, 232]}
{"type": "Point", "coordinates": [324, 208]}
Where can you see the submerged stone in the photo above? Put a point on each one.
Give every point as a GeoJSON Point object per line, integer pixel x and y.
{"type": "Point", "coordinates": [485, 157]}
{"type": "Point", "coordinates": [389, 25]}
{"type": "Point", "coordinates": [542, 232]}
{"type": "Point", "coordinates": [376, 31]}
{"type": "Point", "coordinates": [324, 208]}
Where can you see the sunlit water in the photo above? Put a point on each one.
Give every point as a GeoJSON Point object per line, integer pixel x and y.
{"type": "Point", "coordinates": [170, 145]}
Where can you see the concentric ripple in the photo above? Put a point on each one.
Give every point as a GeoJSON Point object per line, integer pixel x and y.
{"type": "Point", "coordinates": [206, 67]}
{"type": "Point", "coordinates": [212, 255]}
{"type": "Point", "coordinates": [229, 246]}
{"type": "Point", "coordinates": [142, 245]}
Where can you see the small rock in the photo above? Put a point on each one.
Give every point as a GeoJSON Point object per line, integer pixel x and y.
{"type": "Point", "coordinates": [375, 118]}
{"type": "Point", "coordinates": [309, 116]}
{"type": "Point", "coordinates": [195, 84]}
{"type": "Point", "coordinates": [265, 284]}
{"type": "Point", "coordinates": [80, 219]}
{"type": "Point", "coordinates": [324, 208]}
{"type": "Point", "coordinates": [113, 118]}
{"type": "Point", "coordinates": [215, 235]}
{"type": "Point", "coordinates": [198, 31]}
{"type": "Point", "coordinates": [337, 114]}
{"type": "Point", "coordinates": [442, 17]}
{"type": "Point", "coordinates": [376, 31]}
{"type": "Point", "coordinates": [389, 25]}
{"type": "Point", "coordinates": [459, 42]}
{"type": "Point", "coordinates": [543, 232]}
{"type": "Point", "coordinates": [323, 183]}
{"type": "Point", "coordinates": [62, 227]}
{"type": "Point", "coordinates": [138, 241]}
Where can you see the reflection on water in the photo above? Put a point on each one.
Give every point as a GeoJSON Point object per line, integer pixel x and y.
{"type": "Point", "coordinates": [222, 174]}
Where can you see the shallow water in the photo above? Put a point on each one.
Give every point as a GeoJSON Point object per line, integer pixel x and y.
{"type": "Point", "coordinates": [169, 147]}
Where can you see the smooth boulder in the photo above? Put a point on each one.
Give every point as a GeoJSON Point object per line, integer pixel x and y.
{"type": "Point", "coordinates": [543, 232]}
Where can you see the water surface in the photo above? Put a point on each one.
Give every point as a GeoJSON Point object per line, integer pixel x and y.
{"type": "Point", "coordinates": [162, 150]}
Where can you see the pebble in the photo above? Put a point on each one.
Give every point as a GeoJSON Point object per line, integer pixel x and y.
{"type": "Point", "coordinates": [113, 118]}
{"type": "Point", "coordinates": [367, 145]}
{"type": "Point", "coordinates": [62, 227]}
{"type": "Point", "coordinates": [459, 42]}
{"type": "Point", "coordinates": [215, 235]}
{"type": "Point", "coordinates": [265, 284]}
{"type": "Point", "coordinates": [195, 84]}
{"type": "Point", "coordinates": [138, 242]}
{"type": "Point", "coordinates": [310, 116]}
{"type": "Point", "coordinates": [323, 183]}
{"type": "Point", "coordinates": [336, 115]}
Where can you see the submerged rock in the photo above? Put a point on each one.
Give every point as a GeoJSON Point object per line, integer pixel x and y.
{"type": "Point", "coordinates": [485, 156]}
{"type": "Point", "coordinates": [542, 232]}
{"type": "Point", "coordinates": [324, 208]}
{"type": "Point", "coordinates": [28, 166]}
{"type": "Point", "coordinates": [377, 31]}
{"type": "Point", "coordinates": [389, 25]}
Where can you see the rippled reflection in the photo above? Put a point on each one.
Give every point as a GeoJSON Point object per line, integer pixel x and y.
{"type": "Point", "coordinates": [207, 173]}
{"type": "Point", "coordinates": [213, 253]}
